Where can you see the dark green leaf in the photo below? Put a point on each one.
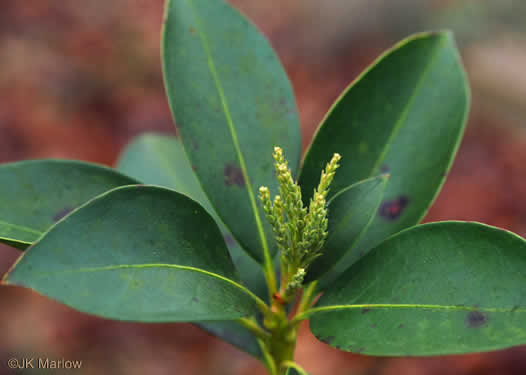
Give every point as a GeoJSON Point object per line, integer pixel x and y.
{"type": "Point", "coordinates": [439, 288]}
{"type": "Point", "coordinates": [232, 103]}
{"type": "Point", "coordinates": [233, 333]}
{"type": "Point", "coordinates": [134, 253]}
{"type": "Point", "coordinates": [36, 194]}
{"type": "Point", "coordinates": [350, 213]}
{"type": "Point", "coordinates": [404, 116]}
{"type": "Point", "coordinates": [160, 160]}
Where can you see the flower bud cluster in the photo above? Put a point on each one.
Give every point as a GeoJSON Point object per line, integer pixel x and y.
{"type": "Point", "coordinates": [300, 233]}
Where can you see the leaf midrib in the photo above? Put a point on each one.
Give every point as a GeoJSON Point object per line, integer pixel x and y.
{"type": "Point", "coordinates": [388, 306]}
{"type": "Point", "coordinates": [403, 115]}
{"type": "Point", "coordinates": [230, 123]}
{"type": "Point", "coordinates": [21, 228]}
{"type": "Point", "coordinates": [146, 266]}
{"type": "Point", "coordinates": [343, 223]}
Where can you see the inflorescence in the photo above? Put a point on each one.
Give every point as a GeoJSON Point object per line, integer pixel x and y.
{"type": "Point", "coordinates": [299, 233]}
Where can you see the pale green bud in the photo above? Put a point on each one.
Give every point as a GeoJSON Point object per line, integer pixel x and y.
{"type": "Point", "coordinates": [299, 233]}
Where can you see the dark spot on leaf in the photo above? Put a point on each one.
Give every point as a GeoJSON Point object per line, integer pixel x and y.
{"type": "Point", "coordinates": [392, 209]}
{"type": "Point", "coordinates": [195, 145]}
{"type": "Point", "coordinates": [384, 168]}
{"type": "Point", "coordinates": [191, 30]}
{"type": "Point", "coordinates": [195, 299]}
{"type": "Point", "coordinates": [193, 168]}
{"type": "Point", "coordinates": [59, 215]}
{"type": "Point", "coordinates": [365, 311]}
{"type": "Point", "coordinates": [373, 325]}
{"type": "Point", "coordinates": [476, 319]}
{"type": "Point", "coordinates": [401, 325]}
{"type": "Point", "coordinates": [233, 175]}
{"type": "Point", "coordinates": [229, 240]}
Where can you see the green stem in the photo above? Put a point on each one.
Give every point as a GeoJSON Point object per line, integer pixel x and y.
{"type": "Point", "coordinates": [296, 367]}
{"type": "Point", "coordinates": [284, 333]}
{"type": "Point", "coordinates": [253, 327]}
{"type": "Point", "coordinates": [282, 343]}
{"type": "Point", "coordinates": [267, 358]}
{"type": "Point", "coordinates": [309, 294]}
{"type": "Point", "coordinates": [282, 346]}
{"type": "Point", "coordinates": [270, 277]}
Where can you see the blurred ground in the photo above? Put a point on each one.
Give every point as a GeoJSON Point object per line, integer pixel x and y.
{"type": "Point", "coordinates": [80, 79]}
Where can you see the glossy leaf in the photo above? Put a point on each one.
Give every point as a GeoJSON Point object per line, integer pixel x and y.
{"type": "Point", "coordinates": [160, 160]}
{"type": "Point", "coordinates": [350, 213]}
{"type": "Point", "coordinates": [134, 254]}
{"type": "Point", "coordinates": [232, 103]}
{"type": "Point", "coordinates": [404, 116]}
{"type": "Point", "coordinates": [440, 288]}
{"type": "Point", "coordinates": [34, 195]}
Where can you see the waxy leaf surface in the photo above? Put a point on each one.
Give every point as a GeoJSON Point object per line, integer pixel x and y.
{"type": "Point", "coordinates": [34, 195]}
{"type": "Point", "coordinates": [404, 116]}
{"type": "Point", "coordinates": [350, 213]}
{"type": "Point", "coordinates": [440, 288]}
{"type": "Point", "coordinates": [232, 103]}
{"type": "Point", "coordinates": [134, 254]}
{"type": "Point", "coordinates": [160, 160]}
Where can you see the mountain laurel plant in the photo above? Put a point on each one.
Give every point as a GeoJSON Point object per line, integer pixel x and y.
{"type": "Point", "coordinates": [232, 234]}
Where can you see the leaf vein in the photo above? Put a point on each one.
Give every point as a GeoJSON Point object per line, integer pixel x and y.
{"type": "Point", "coordinates": [388, 306]}
{"type": "Point", "coordinates": [405, 112]}
{"type": "Point", "coordinates": [258, 301]}
{"type": "Point", "coordinates": [230, 122]}
{"type": "Point", "coordinates": [21, 228]}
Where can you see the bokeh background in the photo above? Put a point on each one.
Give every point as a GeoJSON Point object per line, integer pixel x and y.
{"type": "Point", "coordinates": [80, 79]}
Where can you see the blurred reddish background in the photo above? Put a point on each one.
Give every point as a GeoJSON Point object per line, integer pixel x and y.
{"type": "Point", "coordinates": [80, 79]}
